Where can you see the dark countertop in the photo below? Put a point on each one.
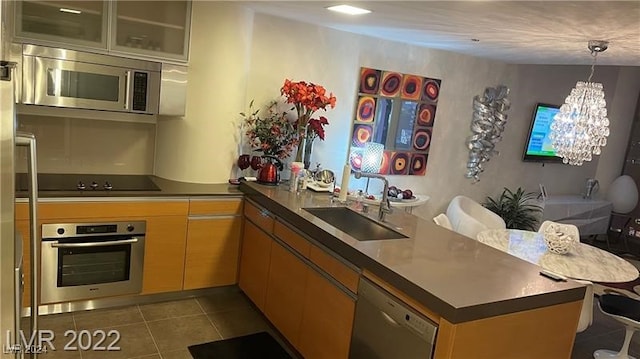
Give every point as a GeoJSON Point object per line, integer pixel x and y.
{"type": "Point", "coordinates": [167, 188]}
{"type": "Point", "coordinates": [457, 277]}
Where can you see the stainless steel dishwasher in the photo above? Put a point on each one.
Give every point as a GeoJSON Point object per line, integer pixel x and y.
{"type": "Point", "coordinates": [386, 328]}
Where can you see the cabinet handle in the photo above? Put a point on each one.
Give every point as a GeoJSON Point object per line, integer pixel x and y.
{"type": "Point", "coordinates": [29, 140]}
{"type": "Point", "coordinates": [264, 213]}
{"type": "Point", "coordinates": [127, 86]}
{"type": "Point", "coordinates": [389, 319]}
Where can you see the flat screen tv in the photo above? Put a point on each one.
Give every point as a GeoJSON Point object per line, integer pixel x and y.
{"type": "Point", "coordinates": [538, 145]}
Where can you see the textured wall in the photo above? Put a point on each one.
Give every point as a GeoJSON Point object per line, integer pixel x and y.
{"type": "Point", "coordinates": [262, 52]}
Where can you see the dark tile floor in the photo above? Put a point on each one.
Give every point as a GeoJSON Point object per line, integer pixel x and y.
{"type": "Point", "coordinates": [161, 330]}
{"type": "Point", "coordinates": [165, 330]}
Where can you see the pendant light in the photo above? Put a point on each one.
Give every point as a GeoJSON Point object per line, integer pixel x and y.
{"type": "Point", "coordinates": [581, 127]}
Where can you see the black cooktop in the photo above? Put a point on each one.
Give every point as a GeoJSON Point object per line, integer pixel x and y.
{"type": "Point", "coordinates": [87, 182]}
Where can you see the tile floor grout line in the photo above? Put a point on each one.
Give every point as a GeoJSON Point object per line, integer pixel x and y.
{"type": "Point", "coordinates": [209, 319]}
{"type": "Point", "coordinates": [75, 327]}
{"type": "Point", "coordinates": [155, 344]}
{"type": "Point", "coordinates": [178, 317]}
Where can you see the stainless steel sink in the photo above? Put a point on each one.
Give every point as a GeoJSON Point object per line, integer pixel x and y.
{"type": "Point", "coordinates": [354, 224]}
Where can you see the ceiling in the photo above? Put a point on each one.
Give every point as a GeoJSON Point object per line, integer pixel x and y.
{"type": "Point", "coordinates": [522, 32]}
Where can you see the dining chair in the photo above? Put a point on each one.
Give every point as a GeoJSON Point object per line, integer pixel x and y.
{"type": "Point", "coordinates": [625, 310]}
{"type": "Point", "coordinates": [443, 221]}
{"type": "Point", "coordinates": [469, 217]}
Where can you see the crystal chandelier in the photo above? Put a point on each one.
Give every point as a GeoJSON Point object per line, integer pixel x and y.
{"type": "Point", "coordinates": [581, 126]}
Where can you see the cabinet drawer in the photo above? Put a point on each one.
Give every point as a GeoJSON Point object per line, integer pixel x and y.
{"type": "Point", "coordinates": [339, 271]}
{"type": "Point", "coordinates": [62, 211]}
{"type": "Point", "coordinates": [293, 239]}
{"type": "Point", "coordinates": [215, 206]}
{"type": "Point", "coordinates": [260, 216]}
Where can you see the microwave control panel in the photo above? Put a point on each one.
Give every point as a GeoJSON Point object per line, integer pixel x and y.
{"type": "Point", "coordinates": [139, 102]}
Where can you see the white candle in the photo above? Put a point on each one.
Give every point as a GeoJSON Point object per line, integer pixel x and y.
{"type": "Point", "coordinates": [344, 184]}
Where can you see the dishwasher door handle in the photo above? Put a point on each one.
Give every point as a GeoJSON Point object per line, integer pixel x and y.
{"type": "Point", "coordinates": [389, 320]}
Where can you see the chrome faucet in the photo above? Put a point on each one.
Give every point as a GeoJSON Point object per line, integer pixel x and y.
{"type": "Point", "coordinates": [385, 205]}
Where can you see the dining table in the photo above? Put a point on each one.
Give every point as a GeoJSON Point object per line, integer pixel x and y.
{"type": "Point", "coordinates": [582, 261]}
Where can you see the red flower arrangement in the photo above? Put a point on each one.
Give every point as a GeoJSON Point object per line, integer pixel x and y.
{"type": "Point", "coordinates": [272, 134]}
{"type": "Point", "coordinates": [315, 128]}
{"type": "Point", "coordinates": [308, 98]}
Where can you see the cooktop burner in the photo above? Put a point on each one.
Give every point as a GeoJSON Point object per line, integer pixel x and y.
{"type": "Point", "coordinates": [88, 182]}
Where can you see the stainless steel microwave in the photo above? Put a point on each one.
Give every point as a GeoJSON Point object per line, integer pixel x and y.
{"type": "Point", "coordinates": [73, 79]}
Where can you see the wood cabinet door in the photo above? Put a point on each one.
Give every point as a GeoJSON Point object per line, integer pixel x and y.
{"type": "Point", "coordinates": [285, 292]}
{"type": "Point", "coordinates": [164, 254]}
{"type": "Point", "coordinates": [254, 263]}
{"type": "Point", "coordinates": [327, 321]}
{"type": "Point", "coordinates": [213, 248]}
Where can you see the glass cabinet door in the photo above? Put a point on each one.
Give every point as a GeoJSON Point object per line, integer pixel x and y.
{"type": "Point", "coordinates": [81, 23]}
{"type": "Point", "coordinates": [158, 28]}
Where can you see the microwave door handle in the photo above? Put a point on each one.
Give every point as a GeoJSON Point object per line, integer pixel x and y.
{"type": "Point", "coordinates": [127, 87]}
{"type": "Point", "coordinates": [94, 244]}
{"type": "Point", "coordinates": [29, 140]}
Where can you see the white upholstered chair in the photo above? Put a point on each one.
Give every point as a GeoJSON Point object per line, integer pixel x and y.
{"type": "Point", "coordinates": [443, 221]}
{"type": "Point", "coordinates": [469, 217]}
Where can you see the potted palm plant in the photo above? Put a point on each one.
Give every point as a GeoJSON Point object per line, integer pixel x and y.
{"type": "Point", "coordinates": [518, 209]}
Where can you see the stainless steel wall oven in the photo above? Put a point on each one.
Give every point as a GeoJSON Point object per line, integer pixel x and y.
{"type": "Point", "coordinates": [91, 260]}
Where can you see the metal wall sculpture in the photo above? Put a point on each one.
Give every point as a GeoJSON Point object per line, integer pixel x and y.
{"type": "Point", "coordinates": [487, 125]}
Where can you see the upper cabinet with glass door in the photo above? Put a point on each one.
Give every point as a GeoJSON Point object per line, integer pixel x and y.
{"type": "Point", "coordinates": [160, 30]}
{"type": "Point", "coordinates": [80, 23]}
{"type": "Point", "coordinates": [142, 29]}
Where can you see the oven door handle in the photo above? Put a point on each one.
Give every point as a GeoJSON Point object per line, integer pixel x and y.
{"type": "Point", "coordinates": [94, 244]}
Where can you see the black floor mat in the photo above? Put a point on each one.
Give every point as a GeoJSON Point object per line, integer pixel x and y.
{"type": "Point", "coordinates": [259, 345]}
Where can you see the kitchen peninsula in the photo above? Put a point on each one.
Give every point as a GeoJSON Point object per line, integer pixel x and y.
{"type": "Point", "coordinates": [486, 303]}
{"type": "Point", "coordinates": [304, 273]}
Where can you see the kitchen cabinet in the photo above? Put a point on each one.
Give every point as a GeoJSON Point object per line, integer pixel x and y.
{"type": "Point", "coordinates": [286, 287]}
{"type": "Point", "coordinates": [163, 254]}
{"type": "Point", "coordinates": [254, 263]}
{"type": "Point", "coordinates": [157, 30]}
{"type": "Point", "coordinates": [213, 243]}
{"type": "Point", "coordinates": [327, 318]}
{"type": "Point", "coordinates": [80, 23]}
{"type": "Point", "coordinates": [301, 288]}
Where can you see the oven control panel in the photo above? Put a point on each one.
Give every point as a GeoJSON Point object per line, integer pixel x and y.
{"type": "Point", "coordinates": [67, 230]}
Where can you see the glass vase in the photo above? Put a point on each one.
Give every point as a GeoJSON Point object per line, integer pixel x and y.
{"type": "Point", "coordinates": [308, 146]}
{"type": "Point", "coordinates": [300, 153]}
